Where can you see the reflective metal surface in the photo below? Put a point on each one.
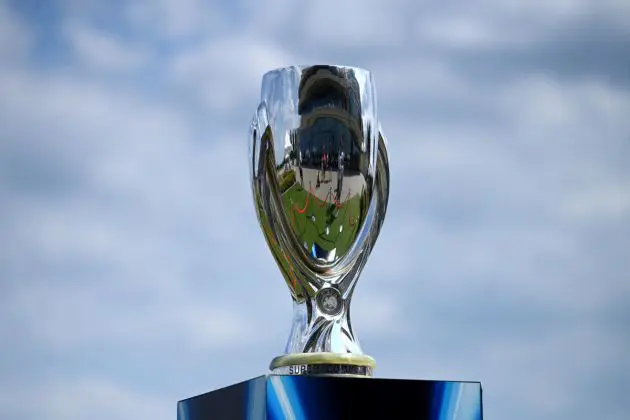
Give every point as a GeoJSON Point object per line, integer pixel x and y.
{"type": "Point", "coordinates": [320, 180]}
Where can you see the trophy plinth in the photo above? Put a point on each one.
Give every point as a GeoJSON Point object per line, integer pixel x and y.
{"type": "Point", "coordinates": [279, 397]}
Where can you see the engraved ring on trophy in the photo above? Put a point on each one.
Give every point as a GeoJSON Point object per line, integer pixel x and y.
{"type": "Point", "coordinates": [320, 181]}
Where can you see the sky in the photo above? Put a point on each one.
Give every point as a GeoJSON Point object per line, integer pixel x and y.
{"type": "Point", "coordinates": [133, 272]}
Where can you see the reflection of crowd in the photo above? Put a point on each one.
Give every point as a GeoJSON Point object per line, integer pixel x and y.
{"type": "Point", "coordinates": [323, 168]}
{"type": "Point", "coordinates": [300, 167]}
{"type": "Point", "coordinates": [327, 163]}
{"type": "Point", "coordinates": [330, 134]}
{"type": "Point", "coordinates": [317, 150]}
{"type": "Point", "coordinates": [340, 174]}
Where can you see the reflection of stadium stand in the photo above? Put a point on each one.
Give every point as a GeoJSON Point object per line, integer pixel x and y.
{"type": "Point", "coordinates": [330, 109]}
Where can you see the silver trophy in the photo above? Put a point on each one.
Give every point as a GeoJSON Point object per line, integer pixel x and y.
{"type": "Point", "coordinates": [320, 180]}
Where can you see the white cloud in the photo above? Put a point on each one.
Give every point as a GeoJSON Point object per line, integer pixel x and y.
{"type": "Point", "coordinates": [491, 24]}
{"type": "Point", "coordinates": [101, 50]}
{"type": "Point", "coordinates": [353, 23]}
{"type": "Point", "coordinates": [15, 37]}
{"type": "Point", "coordinates": [543, 102]}
{"type": "Point", "coordinates": [410, 78]}
{"type": "Point", "coordinates": [224, 72]}
{"type": "Point", "coordinates": [78, 398]}
{"type": "Point", "coordinates": [376, 313]}
{"type": "Point", "coordinates": [614, 10]}
{"type": "Point", "coordinates": [599, 204]}
{"type": "Point", "coordinates": [175, 21]}
{"type": "Point", "coordinates": [138, 155]}
{"type": "Point", "coordinates": [468, 32]}
{"type": "Point", "coordinates": [104, 313]}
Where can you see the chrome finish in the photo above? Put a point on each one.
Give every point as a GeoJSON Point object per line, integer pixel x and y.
{"type": "Point", "coordinates": [320, 181]}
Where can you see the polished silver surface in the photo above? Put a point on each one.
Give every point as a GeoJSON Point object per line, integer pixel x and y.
{"type": "Point", "coordinates": [320, 180]}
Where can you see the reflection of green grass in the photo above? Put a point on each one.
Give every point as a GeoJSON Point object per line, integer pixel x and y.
{"type": "Point", "coordinates": [310, 231]}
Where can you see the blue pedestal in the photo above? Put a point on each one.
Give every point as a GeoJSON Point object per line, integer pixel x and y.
{"type": "Point", "coordinates": [273, 397]}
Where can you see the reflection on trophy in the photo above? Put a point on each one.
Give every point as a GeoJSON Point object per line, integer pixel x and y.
{"type": "Point", "coordinates": [320, 179]}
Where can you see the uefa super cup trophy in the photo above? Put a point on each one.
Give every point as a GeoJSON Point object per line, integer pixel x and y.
{"type": "Point", "coordinates": [320, 180]}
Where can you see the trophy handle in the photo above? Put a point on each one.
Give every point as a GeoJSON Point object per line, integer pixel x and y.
{"type": "Point", "coordinates": [267, 204]}
{"type": "Point", "coordinates": [380, 200]}
{"type": "Point", "coordinates": [382, 181]}
{"type": "Point", "coordinates": [260, 150]}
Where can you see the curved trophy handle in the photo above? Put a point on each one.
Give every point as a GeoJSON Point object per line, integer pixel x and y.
{"type": "Point", "coordinates": [261, 150]}
{"type": "Point", "coordinates": [376, 219]}
{"type": "Point", "coordinates": [382, 180]}
{"type": "Point", "coordinates": [267, 203]}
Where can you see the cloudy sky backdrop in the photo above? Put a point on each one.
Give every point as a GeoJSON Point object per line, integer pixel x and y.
{"type": "Point", "coordinates": [133, 272]}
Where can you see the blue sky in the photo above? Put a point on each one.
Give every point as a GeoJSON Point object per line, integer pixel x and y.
{"type": "Point", "coordinates": [134, 274]}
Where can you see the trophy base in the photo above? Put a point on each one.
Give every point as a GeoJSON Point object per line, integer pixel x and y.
{"type": "Point", "coordinates": [276, 397]}
{"type": "Point", "coordinates": [323, 364]}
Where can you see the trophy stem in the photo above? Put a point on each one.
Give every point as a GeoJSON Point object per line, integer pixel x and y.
{"type": "Point", "coordinates": [323, 343]}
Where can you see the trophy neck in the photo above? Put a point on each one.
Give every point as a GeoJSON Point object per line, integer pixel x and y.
{"type": "Point", "coordinates": [322, 341]}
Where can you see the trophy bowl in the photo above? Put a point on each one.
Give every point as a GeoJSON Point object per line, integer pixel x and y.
{"type": "Point", "coordinates": [320, 180]}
